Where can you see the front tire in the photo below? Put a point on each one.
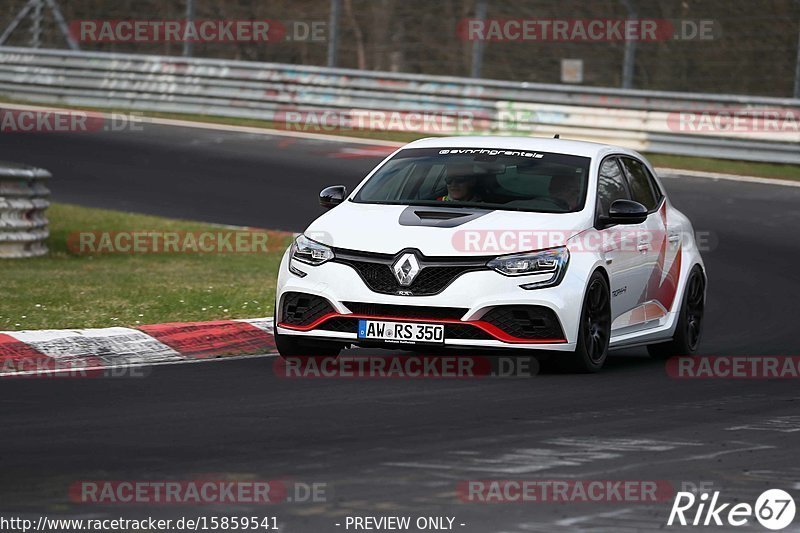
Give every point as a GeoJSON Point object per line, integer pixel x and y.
{"type": "Point", "coordinates": [689, 330]}
{"type": "Point", "coordinates": [594, 332]}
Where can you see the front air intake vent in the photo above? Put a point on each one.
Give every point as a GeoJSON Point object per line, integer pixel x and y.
{"type": "Point", "coordinates": [438, 215]}
{"type": "Point", "coordinates": [525, 321]}
{"type": "Point", "coordinates": [300, 309]}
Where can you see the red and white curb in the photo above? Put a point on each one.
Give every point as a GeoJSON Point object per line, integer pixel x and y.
{"type": "Point", "coordinates": [27, 352]}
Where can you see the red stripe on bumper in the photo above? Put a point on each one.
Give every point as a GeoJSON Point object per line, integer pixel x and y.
{"type": "Point", "coordinates": [491, 329]}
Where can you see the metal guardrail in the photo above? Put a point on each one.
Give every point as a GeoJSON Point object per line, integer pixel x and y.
{"type": "Point", "coordinates": [23, 201]}
{"type": "Point", "coordinates": [644, 120]}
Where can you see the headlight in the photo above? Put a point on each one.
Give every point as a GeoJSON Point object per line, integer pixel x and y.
{"type": "Point", "coordinates": [552, 261]}
{"type": "Point", "coordinates": [310, 252]}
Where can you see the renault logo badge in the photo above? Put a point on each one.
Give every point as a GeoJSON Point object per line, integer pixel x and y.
{"type": "Point", "coordinates": [406, 269]}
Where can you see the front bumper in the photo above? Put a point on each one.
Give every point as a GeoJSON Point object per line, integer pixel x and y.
{"type": "Point", "coordinates": [467, 307]}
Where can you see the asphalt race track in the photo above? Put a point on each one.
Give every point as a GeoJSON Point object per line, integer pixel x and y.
{"type": "Point", "coordinates": [400, 447]}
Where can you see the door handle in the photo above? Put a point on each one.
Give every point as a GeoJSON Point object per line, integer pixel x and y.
{"type": "Point", "coordinates": [674, 237]}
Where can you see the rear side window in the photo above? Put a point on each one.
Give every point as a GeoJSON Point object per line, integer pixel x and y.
{"type": "Point", "coordinates": [643, 188]}
{"type": "Point", "coordinates": [610, 186]}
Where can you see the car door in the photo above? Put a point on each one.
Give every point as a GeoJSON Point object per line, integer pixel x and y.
{"type": "Point", "coordinates": [625, 261]}
{"type": "Point", "coordinates": [663, 251]}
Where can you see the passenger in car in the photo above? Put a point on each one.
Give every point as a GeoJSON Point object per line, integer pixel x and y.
{"type": "Point", "coordinates": [566, 189]}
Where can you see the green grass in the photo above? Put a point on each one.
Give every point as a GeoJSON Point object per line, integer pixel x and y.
{"type": "Point", "coordinates": [69, 290]}
{"type": "Point", "coordinates": [727, 166]}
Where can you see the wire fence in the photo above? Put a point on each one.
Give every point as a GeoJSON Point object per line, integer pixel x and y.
{"type": "Point", "coordinates": [749, 47]}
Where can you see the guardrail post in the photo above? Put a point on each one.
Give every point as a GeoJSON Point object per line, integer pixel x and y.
{"type": "Point", "coordinates": [797, 67]}
{"type": "Point", "coordinates": [629, 63]}
{"type": "Point", "coordinates": [23, 201]}
{"type": "Point", "coordinates": [187, 44]}
{"type": "Point", "coordinates": [333, 32]}
{"type": "Point", "coordinates": [36, 24]}
{"type": "Point", "coordinates": [478, 44]}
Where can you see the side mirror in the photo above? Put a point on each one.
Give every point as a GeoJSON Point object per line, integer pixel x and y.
{"type": "Point", "coordinates": [624, 212]}
{"type": "Point", "coordinates": [332, 196]}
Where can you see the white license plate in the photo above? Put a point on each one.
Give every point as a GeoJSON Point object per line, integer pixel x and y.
{"type": "Point", "coordinates": [404, 332]}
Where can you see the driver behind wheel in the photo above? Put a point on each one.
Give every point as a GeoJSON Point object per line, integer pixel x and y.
{"type": "Point", "coordinates": [462, 184]}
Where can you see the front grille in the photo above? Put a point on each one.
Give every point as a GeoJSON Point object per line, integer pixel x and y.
{"type": "Point", "coordinates": [340, 324]}
{"type": "Point", "coordinates": [431, 280]}
{"type": "Point", "coordinates": [405, 311]}
{"type": "Point", "coordinates": [466, 332]}
{"type": "Point", "coordinates": [300, 309]}
{"type": "Point", "coordinates": [434, 276]}
{"type": "Point", "coordinates": [525, 321]}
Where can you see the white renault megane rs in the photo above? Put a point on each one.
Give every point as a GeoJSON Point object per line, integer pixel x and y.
{"type": "Point", "coordinates": [497, 242]}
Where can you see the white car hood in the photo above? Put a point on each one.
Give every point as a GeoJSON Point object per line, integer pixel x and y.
{"type": "Point", "coordinates": [377, 228]}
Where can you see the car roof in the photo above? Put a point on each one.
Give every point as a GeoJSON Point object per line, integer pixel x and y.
{"type": "Point", "coordinates": [541, 144]}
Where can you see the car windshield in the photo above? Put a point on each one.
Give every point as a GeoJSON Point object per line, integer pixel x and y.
{"type": "Point", "coordinates": [515, 180]}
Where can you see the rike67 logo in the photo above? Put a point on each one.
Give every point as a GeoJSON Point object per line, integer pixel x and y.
{"type": "Point", "coordinates": [774, 509]}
